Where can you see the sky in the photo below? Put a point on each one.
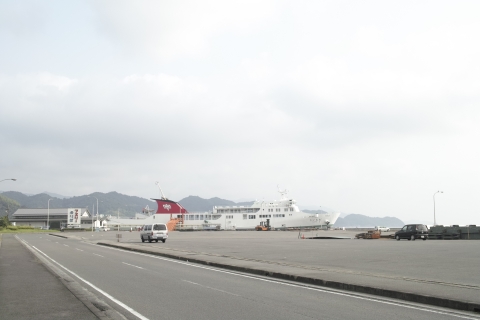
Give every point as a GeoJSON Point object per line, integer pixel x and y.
{"type": "Point", "coordinates": [366, 107]}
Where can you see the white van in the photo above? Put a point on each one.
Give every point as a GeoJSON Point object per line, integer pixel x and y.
{"type": "Point", "coordinates": [154, 232]}
{"type": "Point", "coordinates": [383, 229]}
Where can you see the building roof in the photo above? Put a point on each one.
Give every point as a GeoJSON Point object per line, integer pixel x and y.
{"type": "Point", "coordinates": [44, 212]}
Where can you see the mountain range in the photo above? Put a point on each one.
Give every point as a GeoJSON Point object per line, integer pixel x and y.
{"type": "Point", "coordinates": [113, 203]}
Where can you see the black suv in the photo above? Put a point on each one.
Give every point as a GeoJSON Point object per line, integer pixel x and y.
{"type": "Point", "coordinates": [412, 232]}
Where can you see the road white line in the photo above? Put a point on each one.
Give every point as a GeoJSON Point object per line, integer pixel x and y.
{"type": "Point", "coordinates": [78, 249]}
{"type": "Point", "coordinates": [201, 285]}
{"type": "Point", "coordinates": [331, 291]}
{"type": "Point", "coordinates": [66, 245]}
{"type": "Point", "coordinates": [95, 287]}
{"type": "Point", "coordinates": [132, 265]}
{"type": "Point", "coordinates": [98, 255]}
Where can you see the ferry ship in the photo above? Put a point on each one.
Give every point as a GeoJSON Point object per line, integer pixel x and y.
{"type": "Point", "coordinates": [281, 214]}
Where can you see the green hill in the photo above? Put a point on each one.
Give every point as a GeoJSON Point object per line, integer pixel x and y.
{"type": "Point", "coordinates": [108, 203]}
{"type": "Point", "coordinates": [112, 202]}
{"type": "Point", "coordinates": [197, 204]}
{"type": "Point", "coordinates": [7, 206]}
{"type": "Point", "coordinates": [362, 221]}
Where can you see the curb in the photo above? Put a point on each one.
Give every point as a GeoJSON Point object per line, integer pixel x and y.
{"type": "Point", "coordinates": [406, 296]}
{"type": "Point", "coordinates": [58, 235]}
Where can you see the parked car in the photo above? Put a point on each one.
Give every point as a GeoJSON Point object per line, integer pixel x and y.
{"type": "Point", "coordinates": [412, 232]}
{"type": "Point", "coordinates": [383, 229]}
{"type": "Point", "coordinates": [154, 232]}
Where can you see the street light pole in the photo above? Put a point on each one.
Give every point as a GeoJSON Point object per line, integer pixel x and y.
{"type": "Point", "coordinates": [48, 214]}
{"type": "Point", "coordinates": [434, 219]}
{"type": "Point", "coordinates": [97, 207]}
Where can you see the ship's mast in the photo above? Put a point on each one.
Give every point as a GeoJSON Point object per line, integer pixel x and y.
{"type": "Point", "coordinates": [283, 193]}
{"type": "Point", "coordinates": [161, 192]}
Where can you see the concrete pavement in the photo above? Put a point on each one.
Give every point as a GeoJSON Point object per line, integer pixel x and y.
{"type": "Point", "coordinates": [29, 291]}
{"type": "Point", "coordinates": [441, 273]}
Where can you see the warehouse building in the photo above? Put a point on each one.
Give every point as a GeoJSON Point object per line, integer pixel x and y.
{"type": "Point", "coordinates": [56, 218]}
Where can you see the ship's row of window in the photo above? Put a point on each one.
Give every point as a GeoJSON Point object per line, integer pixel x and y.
{"type": "Point", "coordinates": [217, 216]}
{"type": "Point", "coordinates": [277, 215]}
{"type": "Point", "coordinates": [279, 210]}
{"type": "Point", "coordinates": [243, 210]}
{"type": "Point", "coordinates": [261, 216]}
{"type": "Point", "coordinates": [202, 216]}
{"type": "Point", "coordinates": [252, 210]}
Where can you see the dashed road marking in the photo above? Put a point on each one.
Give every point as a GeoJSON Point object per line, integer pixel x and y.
{"type": "Point", "coordinates": [132, 265]}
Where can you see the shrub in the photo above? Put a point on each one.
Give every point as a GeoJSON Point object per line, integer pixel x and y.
{"type": "Point", "coordinates": [25, 227]}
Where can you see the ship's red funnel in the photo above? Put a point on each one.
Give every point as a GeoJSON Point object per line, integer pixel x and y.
{"type": "Point", "coordinates": [166, 206]}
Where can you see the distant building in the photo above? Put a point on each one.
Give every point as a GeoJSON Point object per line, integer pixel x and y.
{"type": "Point", "coordinates": [57, 218]}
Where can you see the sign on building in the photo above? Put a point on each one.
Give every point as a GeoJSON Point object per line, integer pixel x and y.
{"type": "Point", "coordinates": [74, 218]}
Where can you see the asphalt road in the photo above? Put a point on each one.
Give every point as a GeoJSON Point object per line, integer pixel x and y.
{"type": "Point", "coordinates": [445, 261]}
{"type": "Point", "coordinates": [153, 287]}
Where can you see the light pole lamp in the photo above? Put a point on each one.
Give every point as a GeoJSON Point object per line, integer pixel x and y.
{"type": "Point", "coordinates": [434, 219]}
{"type": "Point", "coordinates": [48, 214]}
{"type": "Point", "coordinates": [8, 179]}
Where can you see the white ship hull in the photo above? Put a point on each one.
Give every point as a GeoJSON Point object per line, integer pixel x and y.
{"type": "Point", "coordinates": [237, 221]}
{"type": "Point", "coordinates": [281, 214]}
{"type": "Point", "coordinates": [206, 220]}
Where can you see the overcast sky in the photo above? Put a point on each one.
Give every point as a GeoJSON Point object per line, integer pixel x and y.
{"type": "Point", "coordinates": [365, 107]}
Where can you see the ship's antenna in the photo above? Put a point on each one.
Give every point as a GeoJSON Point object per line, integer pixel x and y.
{"type": "Point", "coordinates": [282, 192]}
{"type": "Point", "coordinates": [161, 192]}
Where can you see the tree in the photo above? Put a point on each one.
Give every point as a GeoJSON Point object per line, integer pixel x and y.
{"type": "Point", "coordinates": [4, 222]}
{"type": "Point", "coordinates": [7, 206]}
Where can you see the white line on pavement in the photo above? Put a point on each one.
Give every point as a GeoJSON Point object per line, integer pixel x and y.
{"type": "Point", "coordinates": [98, 255]}
{"type": "Point", "coordinates": [132, 265]}
{"type": "Point", "coordinates": [95, 287]}
{"type": "Point", "coordinates": [344, 294]}
{"type": "Point", "coordinates": [79, 249]}
{"type": "Point", "coordinates": [201, 285]}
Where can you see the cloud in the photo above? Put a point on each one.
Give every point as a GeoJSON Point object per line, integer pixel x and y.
{"type": "Point", "coordinates": [169, 30]}
{"type": "Point", "coordinates": [23, 19]}
{"type": "Point", "coordinates": [365, 108]}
